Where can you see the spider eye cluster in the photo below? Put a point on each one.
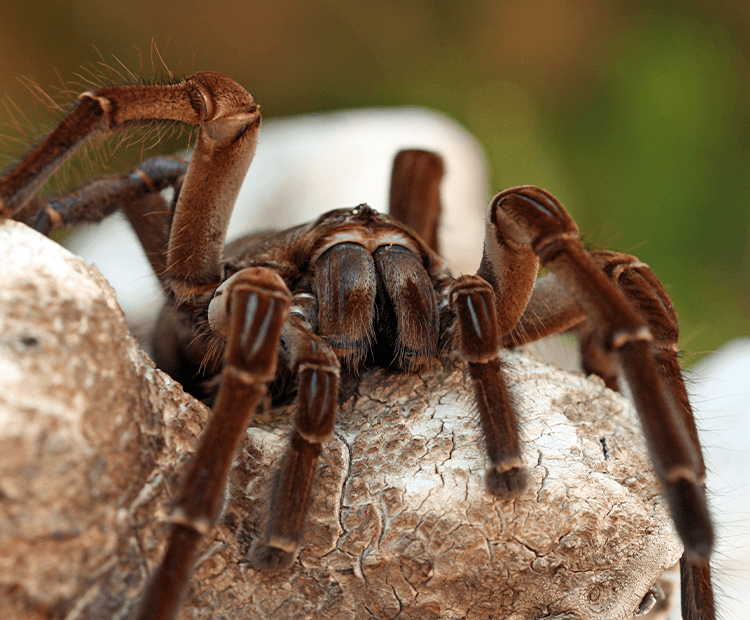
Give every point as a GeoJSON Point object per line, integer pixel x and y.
{"type": "Point", "coordinates": [359, 209]}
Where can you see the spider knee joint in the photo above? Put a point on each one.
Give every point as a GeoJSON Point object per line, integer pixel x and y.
{"type": "Point", "coordinates": [317, 403]}
{"type": "Point", "coordinates": [257, 279]}
{"type": "Point", "coordinates": [625, 336]}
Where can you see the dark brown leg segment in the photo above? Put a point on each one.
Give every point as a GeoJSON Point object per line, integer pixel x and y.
{"type": "Point", "coordinates": [415, 193]}
{"type": "Point", "coordinates": [257, 309]}
{"type": "Point", "coordinates": [697, 595]}
{"type": "Point", "coordinates": [473, 302]}
{"type": "Point", "coordinates": [317, 371]}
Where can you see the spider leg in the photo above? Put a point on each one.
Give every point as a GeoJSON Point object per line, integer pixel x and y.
{"type": "Point", "coordinates": [485, 307]}
{"type": "Point", "coordinates": [643, 289]}
{"type": "Point", "coordinates": [696, 591]}
{"type": "Point", "coordinates": [136, 194]}
{"type": "Point", "coordinates": [256, 302]}
{"type": "Point", "coordinates": [229, 120]}
{"type": "Point", "coordinates": [415, 193]}
{"type": "Point", "coordinates": [531, 216]}
{"type": "Point", "coordinates": [553, 308]}
{"type": "Point", "coordinates": [473, 302]}
{"type": "Point", "coordinates": [317, 370]}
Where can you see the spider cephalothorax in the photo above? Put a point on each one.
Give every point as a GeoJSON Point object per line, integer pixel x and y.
{"type": "Point", "coordinates": [358, 287]}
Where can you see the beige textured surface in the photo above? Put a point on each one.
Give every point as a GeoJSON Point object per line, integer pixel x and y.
{"type": "Point", "coordinates": [92, 439]}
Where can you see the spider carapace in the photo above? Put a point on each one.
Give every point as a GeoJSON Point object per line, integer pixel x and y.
{"type": "Point", "coordinates": [361, 280]}
{"type": "Point", "coordinates": [356, 287]}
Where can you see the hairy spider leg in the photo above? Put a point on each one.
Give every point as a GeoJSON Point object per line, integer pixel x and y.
{"type": "Point", "coordinates": [316, 367]}
{"type": "Point", "coordinates": [414, 198]}
{"type": "Point", "coordinates": [473, 302]}
{"type": "Point", "coordinates": [137, 194]}
{"type": "Point", "coordinates": [553, 308]}
{"type": "Point", "coordinates": [229, 121]}
{"type": "Point", "coordinates": [256, 309]}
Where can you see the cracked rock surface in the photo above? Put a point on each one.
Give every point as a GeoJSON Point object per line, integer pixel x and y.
{"type": "Point", "coordinates": [93, 439]}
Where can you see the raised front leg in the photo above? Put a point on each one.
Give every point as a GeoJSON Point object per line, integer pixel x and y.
{"type": "Point", "coordinates": [229, 120]}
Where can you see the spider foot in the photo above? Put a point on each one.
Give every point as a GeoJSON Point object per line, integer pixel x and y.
{"type": "Point", "coordinates": [507, 483]}
{"type": "Point", "coordinates": [692, 520]}
{"type": "Point", "coordinates": [268, 559]}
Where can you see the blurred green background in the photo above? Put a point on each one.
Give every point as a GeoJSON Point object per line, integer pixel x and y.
{"type": "Point", "coordinates": [634, 114]}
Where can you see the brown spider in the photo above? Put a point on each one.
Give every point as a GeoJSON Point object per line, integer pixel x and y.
{"type": "Point", "coordinates": [351, 288]}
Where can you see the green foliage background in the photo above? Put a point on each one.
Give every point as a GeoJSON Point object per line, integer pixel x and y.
{"type": "Point", "coordinates": [635, 114]}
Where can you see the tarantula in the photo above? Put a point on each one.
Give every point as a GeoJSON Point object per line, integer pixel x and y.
{"type": "Point", "coordinates": [290, 311]}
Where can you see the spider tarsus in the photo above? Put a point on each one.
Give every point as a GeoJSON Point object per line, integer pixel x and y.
{"type": "Point", "coordinates": [507, 484]}
{"type": "Point", "coordinates": [269, 559]}
{"type": "Point", "coordinates": [691, 519]}
{"type": "Point", "coordinates": [697, 595]}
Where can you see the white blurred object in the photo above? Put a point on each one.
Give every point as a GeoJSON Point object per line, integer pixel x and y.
{"type": "Point", "coordinates": [720, 393]}
{"type": "Point", "coordinates": [305, 166]}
